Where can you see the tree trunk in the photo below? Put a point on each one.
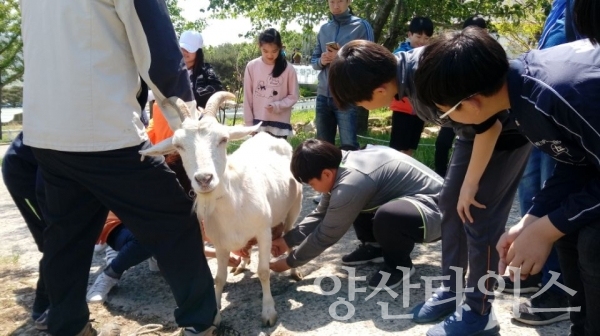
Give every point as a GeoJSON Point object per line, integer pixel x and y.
{"type": "Point", "coordinates": [362, 121]}
{"type": "Point", "coordinates": [395, 27]}
{"type": "Point", "coordinates": [381, 17]}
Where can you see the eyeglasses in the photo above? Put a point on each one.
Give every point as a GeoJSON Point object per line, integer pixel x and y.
{"type": "Point", "coordinates": [453, 108]}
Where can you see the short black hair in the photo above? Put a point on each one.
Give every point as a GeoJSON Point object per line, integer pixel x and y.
{"type": "Point", "coordinates": [459, 64]}
{"type": "Point", "coordinates": [421, 25]}
{"type": "Point", "coordinates": [313, 156]}
{"type": "Point", "coordinates": [586, 15]}
{"type": "Point", "coordinates": [358, 69]}
{"type": "Point", "coordinates": [476, 20]}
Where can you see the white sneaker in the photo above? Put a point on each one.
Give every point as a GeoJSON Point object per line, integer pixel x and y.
{"type": "Point", "coordinates": [153, 265]}
{"type": "Point", "coordinates": [99, 290]}
{"type": "Point", "coordinates": [110, 255]}
{"type": "Point", "coordinates": [99, 248]}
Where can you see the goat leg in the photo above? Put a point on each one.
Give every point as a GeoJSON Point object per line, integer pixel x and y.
{"type": "Point", "coordinates": [269, 314]}
{"type": "Point", "coordinates": [221, 278]}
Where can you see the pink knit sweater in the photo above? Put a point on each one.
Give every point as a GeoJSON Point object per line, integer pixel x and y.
{"type": "Point", "coordinates": [262, 90]}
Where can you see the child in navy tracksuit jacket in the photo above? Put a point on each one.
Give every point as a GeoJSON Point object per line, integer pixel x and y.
{"type": "Point", "coordinates": [553, 99]}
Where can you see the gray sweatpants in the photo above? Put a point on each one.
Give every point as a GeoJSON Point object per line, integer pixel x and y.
{"type": "Point", "coordinates": [473, 245]}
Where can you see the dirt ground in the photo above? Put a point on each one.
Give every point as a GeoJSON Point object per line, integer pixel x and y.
{"type": "Point", "coordinates": [143, 297]}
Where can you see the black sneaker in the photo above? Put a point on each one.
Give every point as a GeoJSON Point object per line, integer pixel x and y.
{"type": "Point", "coordinates": [545, 301]}
{"type": "Point", "coordinates": [362, 255]}
{"type": "Point", "coordinates": [395, 279]}
{"type": "Point", "coordinates": [530, 285]}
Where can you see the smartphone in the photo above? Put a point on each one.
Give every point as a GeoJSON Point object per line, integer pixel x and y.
{"type": "Point", "coordinates": [333, 46]}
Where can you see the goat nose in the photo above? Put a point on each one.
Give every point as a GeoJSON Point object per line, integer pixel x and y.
{"type": "Point", "coordinates": [203, 179]}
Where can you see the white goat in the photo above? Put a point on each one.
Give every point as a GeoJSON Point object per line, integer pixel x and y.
{"type": "Point", "coordinates": [240, 196]}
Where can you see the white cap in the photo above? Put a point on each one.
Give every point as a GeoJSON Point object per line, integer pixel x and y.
{"type": "Point", "coordinates": [191, 41]}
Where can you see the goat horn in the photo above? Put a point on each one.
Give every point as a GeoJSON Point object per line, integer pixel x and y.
{"type": "Point", "coordinates": [177, 105]}
{"type": "Point", "coordinates": [217, 100]}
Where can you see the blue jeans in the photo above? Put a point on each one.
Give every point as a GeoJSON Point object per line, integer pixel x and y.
{"type": "Point", "coordinates": [329, 118]}
{"type": "Point", "coordinates": [131, 252]}
{"type": "Point", "coordinates": [539, 169]}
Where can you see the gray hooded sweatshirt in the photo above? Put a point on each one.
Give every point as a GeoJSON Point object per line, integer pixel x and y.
{"type": "Point", "coordinates": [342, 29]}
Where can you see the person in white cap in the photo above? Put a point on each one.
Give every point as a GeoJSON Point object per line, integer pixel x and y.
{"type": "Point", "coordinates": [205, 81]}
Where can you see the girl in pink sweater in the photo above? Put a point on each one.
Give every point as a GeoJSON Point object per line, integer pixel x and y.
{"type": "Point", "coordinates": [270, 87]}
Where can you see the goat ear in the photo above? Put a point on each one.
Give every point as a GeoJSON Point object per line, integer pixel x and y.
{"type": "Point", "coordinates": [238, 132]}
{"type": "Point", "coordinates": [162, 148]}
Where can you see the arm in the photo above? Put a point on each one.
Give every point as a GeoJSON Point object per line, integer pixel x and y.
{"type": "Point", "coordinates": [293, 92]}
{"type": "Point", "coordinates": [157, 55]}
{"type": "Point", "coordinates": [483, 147]}
{"type": "Point", "coordinates": [248, 95]}
{"type": "Point", "coordinates": [368, 35]}
{"type": "Point", "coordinates": [347, 202]}
{"type": "Point", "coordinates": [315, 59]}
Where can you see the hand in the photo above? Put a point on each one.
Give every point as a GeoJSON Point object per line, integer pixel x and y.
{"type": "Point", "coordinates": [327, 57]}
{"type": "Point", "coordinates": [269, 108]}
{"type": "Point", "coordinates": [279, 266]}
{"type": "Point", "coordinates": [466, 199]}
{"type": "Point", "coordinates": [279, 247]}
{"type": "Point", "coordinates": [509, 237]}
{"type": "Point", "coordinates": [506, 240]}
{"type": "Point", "coordinates": [531, 243]}
{"type": "Point", "coordinates": [234, 261]}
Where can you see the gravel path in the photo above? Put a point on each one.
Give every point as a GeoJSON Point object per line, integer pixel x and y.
{"type": "Point", "coordinates": [143, 297]}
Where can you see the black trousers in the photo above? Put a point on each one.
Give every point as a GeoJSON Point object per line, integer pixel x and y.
{"type": "Point", "coordinates": [396, 226]}
{"type": "Point", "coordinates": [406, 131]}
{"type": "Point", "coordinates": [443, 144]}
{"type": "Point", "coordinates": [578, 257]}
{"type": "Point", "coordinates": [20, 175]}
{"type": "Point", "coordinates": [80, 188]}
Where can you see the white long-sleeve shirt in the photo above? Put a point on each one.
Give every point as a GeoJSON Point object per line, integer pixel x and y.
{"type": "Point", "coordinates": [83, 62]}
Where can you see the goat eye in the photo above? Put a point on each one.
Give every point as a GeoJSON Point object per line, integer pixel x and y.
{"type": "Point", "coordinates": [178, 147]}
{"type": "Point", "coordinates": [223, 141]}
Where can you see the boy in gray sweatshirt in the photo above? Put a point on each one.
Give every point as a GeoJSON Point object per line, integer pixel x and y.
{"type": "Point", "coordinates": [389, 197]}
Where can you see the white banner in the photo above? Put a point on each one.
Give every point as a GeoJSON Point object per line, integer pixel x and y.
{"type": "Point", "coordinates": [306, 74]}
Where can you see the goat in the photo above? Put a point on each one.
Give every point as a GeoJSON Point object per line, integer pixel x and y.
{"type": "Point", "coordinates": [241, 196]}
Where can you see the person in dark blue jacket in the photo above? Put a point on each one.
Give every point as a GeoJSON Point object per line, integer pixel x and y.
{"type": "Point", "coordinates": [552, 96]}
{"type": "Point", "coordinates": [558, 29]}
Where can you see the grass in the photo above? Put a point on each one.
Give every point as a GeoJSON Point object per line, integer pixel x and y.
{"type": "Point", "coordinates": [424, 153]}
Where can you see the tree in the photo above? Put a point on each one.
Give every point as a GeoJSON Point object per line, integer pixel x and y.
{"type": "Point", "coordinates": [11, 46]}
{"type": "Point", "coordinates": [522, 33]}
{"type": "Point", "coordinates": [179, 23]}
{"type": "Point", "coordinates": [12, 95]}
{"type": "Point", "coordinates": [389, 18]}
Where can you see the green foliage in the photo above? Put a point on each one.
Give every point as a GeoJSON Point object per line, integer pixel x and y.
{"type": "Point", "coordinates": [389, 18]}
{"type": "Point", "coordinates": [179, 23]}
{"type": "Point", "coordinates": [522, 31]}
{"type": "Point", "coordinates": [11, 44]}
{"type": "Point", "coordinates": [12, 95]}
{"type": "Point", "coordinates": [307, 90]}
{"type": "Point", "coordinates": [229, 61]}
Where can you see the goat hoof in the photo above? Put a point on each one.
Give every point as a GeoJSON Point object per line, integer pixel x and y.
{"type": "Point", "coordinates": [296, 275]}
{"type": "Point", "coordinates": [269, 317]}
